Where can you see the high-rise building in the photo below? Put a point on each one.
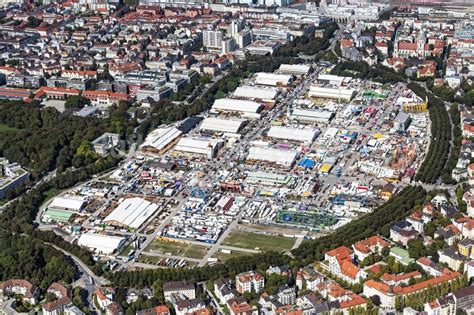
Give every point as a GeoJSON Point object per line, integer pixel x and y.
{"type": "Point", "coordinates": [228, 45]}
{"type": "Point", "coordinates": [235, 27]}
{"type": "Point", "coordinates": [212, 38]}
{"type": "Point", "coordinates": [244, 38]}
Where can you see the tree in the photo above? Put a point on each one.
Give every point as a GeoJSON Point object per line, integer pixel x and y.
{"type": "Point", "coordinates": [86, 150]}
{"type": "Point", "coordinates": [132, 2]}
{"type": "Point", "coordinates": [158, 290]}
{"type": "Point", "coordinates": [430, 229]}
{"type": "Point", "coordinates": [39, 262]}
{"type": "Point", "coordinates": [469, 98]}
{"type": "Point", "coordinates": [76, 101]}
{"type": "Point", "coordinates": [416, 248]}
{"type": "Point", "coordinates": [219, 94]}
{"type": "Point", "coordinates": [273, 282]}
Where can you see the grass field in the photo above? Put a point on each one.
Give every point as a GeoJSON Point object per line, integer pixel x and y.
{"type": "Point", "coordinates": [5, 128]}
{"type": "Point", "coordinates": [224, 257]}
{"type": "Point", "coordinates": [261, 241]}
{"type": "Point", "coordinates": [177, 249]}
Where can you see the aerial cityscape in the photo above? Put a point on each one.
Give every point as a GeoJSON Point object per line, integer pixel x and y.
{"type": "Point", "coordinates": [194, 157]}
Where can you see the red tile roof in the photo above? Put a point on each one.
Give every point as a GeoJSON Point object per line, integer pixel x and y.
{"type": "Point", "coordinates": [407, 46]}
{"type": "Point", "coordinates": [340, 252]}
{"type": "Point", "coordinates": [400, 277]}
{"type": "Point", "coordinates": [349, 269]}
{"type": "Point", "coordinates": [364, 246]}
{"type": "Point", "coordinates": [447, 275]}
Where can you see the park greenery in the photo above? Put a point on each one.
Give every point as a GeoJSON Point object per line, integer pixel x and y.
{"type": "Point", "coordinates": [455, 115]}
{"type": "Point", "coordinates": [362, 70]}
{"type": "Point", "coordinates": [43, 140]}
{"type": "Point", "coordinates": [233, 266]}
{"type": "Point", "coordinates": [434, 164]}
{"type": "Point", "coordinates": [39, 263]}
{"type": "Point", "coordinates": [20, 215]}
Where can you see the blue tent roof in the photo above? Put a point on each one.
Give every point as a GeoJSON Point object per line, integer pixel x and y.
{"type": "Point", "coordinates": [307, 163]}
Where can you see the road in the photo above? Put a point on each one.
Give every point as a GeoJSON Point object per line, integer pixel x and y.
{"type": "Point", "coordinates": [213, 300]}
{"type": "Point", "coordinates": [211, 252]}
{"type": "Point", "coordinates": [336, 39]}
{"type": "Point", "coordinates": [88, 280]}
{"type": "Point", "coordinates": [83, 268]}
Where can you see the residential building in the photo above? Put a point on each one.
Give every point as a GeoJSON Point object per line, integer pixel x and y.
{"type": "Point", "coordinates": [371, 245]}
{"type": "Point", "coordinates": [400, 279]}
{"type": "Point", "coordinates": [464, 299]}
{"type": "Point", "coordinates": [28, 291]}
{"type": "Point", "coordinates": [429, 267]}
{"type": "Point", "coordinates": [441, 306]}
{"type": "Point", "coordinates": [212, 38]}
{"type": "Point", "coordinates": [12, 175]}
{"type": "Point", "coordinates": [185, 288]}
{"type": "Point", "coordinates": [466, 248]}
{"type": "Point", "coordinates": [104, 296]}
{"type": "Point", "coordinates": [239, 306]}
{"type": "Point", "coordinates": [401, 255]}
{"type": "Point", "coordinates": [105, 143]}
{"type": "Point", "coordinates": [63, 300]}
{"type": "Point", "coordinates": [450, 257]}
{"type": "Point", "coordinates": [308, 278]}
{"type": "Point", "coordinates": [416, 221]}
{"type": "Point", "coordinates": [158, 310]}
{"type": "Point", "coordinates": [114, 308]}
{"type": "Point", "coordinates": [339, 262]}
{"type": "Point", "coordinates": [402, 232]}
{"type": "Point", "coordinates": [224, 290]}
{"type": "Point", "coordinates": [105, 99]}
{"type": "Point", "coordinates": [283, 270]}
{"type": "Point", "coordinates": [387, 294]}
{"type": "Point", "coordinates": [190, 306]}
{"type": "Point", "coordinates": [251, 281]}
{"type": "Point", "coordinates": [286, 295]}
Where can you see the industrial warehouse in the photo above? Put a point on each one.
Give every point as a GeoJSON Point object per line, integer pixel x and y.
{"type": "Point", "coordinates": [203, 145]}
{"type": "Point", "coordinates": [243, 107]}
{"type": "Point", "coordinates": [131, 213]}
{"type": "Point", "coordinates": [67, 203]}
{"type": "Point", "coordinates": [276, 157]}
{"type": "Point", "coordinates": [100, 243]}
{"type": "Point", "coordinates": [306, 135]}
{"type": "Point", "coordinates": [266, 95]}
{"type": "Point", "coordinates": [228, 126]}
{"type": "Point", "coordinates": [342, 94]}
{"type": "Point", "coordinates": [296, 69]}
{"type": "Point", "coordinates": [160, 140]}
{"type": "Point", "coordinates": [311, 115]}
{"type": "Point", "coordinates": [273, 79]}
